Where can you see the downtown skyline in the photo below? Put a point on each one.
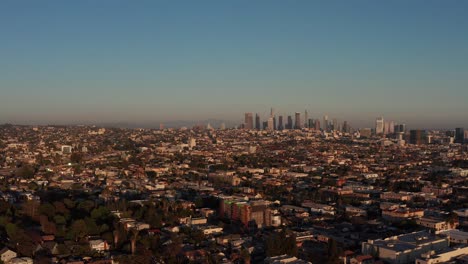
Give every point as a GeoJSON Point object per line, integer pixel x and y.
{"type": "Point", "coordinates": [113, 61]}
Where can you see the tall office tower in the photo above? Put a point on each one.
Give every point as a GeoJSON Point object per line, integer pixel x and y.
{"type": "Point", "coordinates": [345, 126]}
{"type": "Point", "coordinates": [310, 123]}
{"type": "Point", "coordinates": [272, 112]}
{"type": "Point", "coordinates": [317, 124]}
{"type": "Point", "coordinates": [248, 123]}
{"type": "Point", "coordinates": [386, 127]}
{"type": "Point", "coordinates": [257, 122]}
{"type": "Point", "coordinates": [270, 124]}
{"type": "Point", "coordinates": [274, 123]}
{"type": "Point", "coordinates": [297, 121]}
{"type": "Point", "coordinates": [335, 124]}
{"type": "Point", "coordinates": [379, 126]}
{"type": "Point", "coordinates": [289, 124]}
{"type": "Point", "coordinates": [325, 123]}
{"type": "Point", "coordinates": [280, 123]}
{"type": "Point", "coordinates": [265, 125]}
{"type": "Point", "coordinates": [161, 126]}
{"type": "Point", "coordinates": [402, 128]}
{"type": "Point", "coordinates": [459, 135]}
{"type": "Point", "coordinates": [391, 129]}
{"type": "Point", "coordinates": [306, 119]}
{"type": "Point", "coordinates": [416, 137]}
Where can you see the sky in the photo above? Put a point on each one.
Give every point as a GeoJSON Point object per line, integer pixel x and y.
{"type": "Point", "coordinates": [149, 61]}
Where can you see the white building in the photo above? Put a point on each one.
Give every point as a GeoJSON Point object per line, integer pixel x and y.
{"type": "Point", "coordinates": [405, 248]}
{"type": "Point", "coordinates": [6, 254]}
{"type": "Point", "coordinates": [432, 257]}
{"type": "Point", "coordinates": [99, 245]}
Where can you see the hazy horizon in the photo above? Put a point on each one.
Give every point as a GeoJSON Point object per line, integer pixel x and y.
{"type": "Point", "coordinates": [88, 62]}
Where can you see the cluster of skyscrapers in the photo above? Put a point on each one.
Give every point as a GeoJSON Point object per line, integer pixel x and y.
{"type": "Point", "coordinates": [274, 122]}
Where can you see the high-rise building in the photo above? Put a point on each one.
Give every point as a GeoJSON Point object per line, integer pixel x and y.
{"type": "Point", "coordinates": [222, 126]}
{"type": "Point", "coordinates": [270, 125]}
{"type": "Point", "coordinates": [325, 123]}
{"type": "Point", "coordinates": [310, 123]}
{"type": "Point", "coordinates": [274, 122]}
{"type": "Point", "coordinates": [289, 124]}
{"type": "Point", "coordinates": [248, 123]}
{"type": "Point", "coordinates": [317, 124]}
{"type": "Point", "coordinates": [306, 119]}
{"type": "Point", "coordinates": [297, 121]}
{"type": "Point", "coordinates": [403, 128]}
{"type": "Point", "coordinates": [379, 126]}
{"type": "Point", "coordinates": [345, 127]}
{"type": "Point", "coordinates": [257, 122]}
{"type": "Point", "coordinates": [387, 127]}
{"type": "Point", "coordinates": [280, 123]}
{"type": "Point", "coordinates": [391, 129]}
{"type": "Point", "coordinates": [335, 124]}
{"type": "Point", "coordinates": [417, 137]}
{"type": "Point", "coordinates": [459, 135]}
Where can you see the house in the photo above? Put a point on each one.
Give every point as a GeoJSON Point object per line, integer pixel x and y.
{"type": "Point", "coordinates": [6, 254]}
{"type": "Point", "coordinates": [362, 259]}
{"type": "Point", "coordinates": [21, 261]}
{"type": "Point", "coordinates": [99, 245]}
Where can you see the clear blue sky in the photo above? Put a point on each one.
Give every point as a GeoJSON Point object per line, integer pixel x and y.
{"type": "Point", "coordinates": [143, 61]}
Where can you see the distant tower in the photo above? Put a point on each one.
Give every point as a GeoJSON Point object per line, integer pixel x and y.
{"type": "Point", "coordinates": [257, 121]}
{"type": "Point", "coordinates": [317, 124]}
{"type": "Point", "coordinates": [335, 124]}
{"type": "Point", "coordinates": [222, 126]}
{"type": "Point", "coordinates": [289, 124]}
{"type": "Point", "coordinates": [325, 123]}
{"type": "Point", "coordinates": [297, 121]}
{"type": "Point", "coordinates": [248, 123]}
{"type": "Point", "coordinates": [306, 119]}
{"type": "Point", "coordinates": [274, 122]}
{"type": "Point", "coordinates": [345, 126]}
{"type": "Point", "coordinates": [416, 137]}
{"type": "Point", "coordinates": [161, 126]}
{"type": "Point", "coordinates": [391, 129]}
{"type": "Point", "coordinates": [379, 126]}
{"type": "Point", "coordinates": [270, 124]}
{"type": "Point", "coordinates": [272, 112]}
{"type": "Point", "coordinates": [459, 135]}
{"type": "Point", "coordinates": [280, 123]}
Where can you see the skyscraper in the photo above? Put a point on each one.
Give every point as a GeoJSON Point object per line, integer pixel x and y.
{"type": "Point", "coordinates": [289, 124]}
{"type": "Point", "coordinates": [379, 126]}
{"type": "Point", "coordinates": [416, 137]}
{"type": "Point", "coordinates": [257, 122]}
{"type": "Point", "coordinates": [297, 121]}
{"type": "Point", "coordinates": [317, 124]}
{"type": "Point", "coordinates": [270, 124]}
{"type": "Point", "coordinates": [459, 135]}
{"type": "Point", "coordinates": [248, 123]}
{"type": "Point", "coordinates": [391, 129]}
{"type": "Point", "coordinates": [325, 123]}
{"type": "Point", "coordinates": [335, 124]}
{"type": "Point", "coordinates": [280, 123]}
{"type": "Point", "coordinates": [345, 127]}
{"type": "Point", "coordinates": [306, 119]}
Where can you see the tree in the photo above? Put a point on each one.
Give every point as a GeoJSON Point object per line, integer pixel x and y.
{"type": "Point", "coordinates": [79, 229]}
{"type": "Point", "coordinates": [11, 230]}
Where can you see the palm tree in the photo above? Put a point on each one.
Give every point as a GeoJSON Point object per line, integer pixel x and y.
{"type": "Point", "coordinates": [133, 239]}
